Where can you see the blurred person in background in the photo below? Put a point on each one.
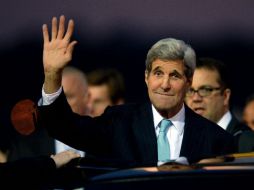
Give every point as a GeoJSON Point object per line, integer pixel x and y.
{"type": "Point", "coordinates": [210, 93]}
{"type": "Point", "coordinates": [75, 87]}
{"type": "Point", "coordinates": [248, 112]}
{"type": "Point", "coordinates": [106, 88]}
{"type": "Point", "coordinates": [246, 141]}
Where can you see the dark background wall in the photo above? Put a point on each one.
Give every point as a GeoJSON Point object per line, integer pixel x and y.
{"type": "Point", "coordinates": [116, 33]}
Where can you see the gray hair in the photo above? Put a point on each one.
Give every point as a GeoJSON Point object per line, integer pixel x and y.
{"type": "Point", "coordinates": [172, 49]}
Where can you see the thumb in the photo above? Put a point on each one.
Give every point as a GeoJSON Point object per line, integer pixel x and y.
{"type": "Point", "coordinates": [70, 48]}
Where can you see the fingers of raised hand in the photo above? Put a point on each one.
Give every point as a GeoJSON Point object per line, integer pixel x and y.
{"type": "Point", "coordinates": [70, 49]}
{"type": "Point", "coordinates": [54, 28]}
{"type": "Point", "coordinates": [61, 28]}
{"type": "Point", "coordinates": [45, 33]}
{"type": "Point", "coordinates": [58, 32]}
{"type": "Point", "coordinates": [70, 30]}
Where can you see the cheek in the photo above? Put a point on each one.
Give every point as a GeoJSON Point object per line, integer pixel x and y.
{"type": "Point", "coordinates": [213, 105]}
{"type": "Point", "coordinates": [188, 101]}
{"type": "Point", "coordinates": [181, 88]}
{"type": "Point", "coordinates": [153, 84]}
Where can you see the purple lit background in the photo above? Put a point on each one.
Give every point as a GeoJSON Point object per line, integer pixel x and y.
{"type": "Point", "coordinates": [115, 33]}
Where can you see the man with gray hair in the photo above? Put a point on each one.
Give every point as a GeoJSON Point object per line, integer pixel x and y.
{"type": "Point", "coordinates": [143, 134]}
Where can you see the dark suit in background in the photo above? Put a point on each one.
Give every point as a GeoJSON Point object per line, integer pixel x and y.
{"type": "Point", "coordinates": [246, 141]}
{"type": "Point", "coordinates": [235, 127]}
{"type": "Point", "coordinates": [36, 144]}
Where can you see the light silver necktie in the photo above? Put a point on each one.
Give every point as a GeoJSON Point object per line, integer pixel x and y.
{"type": "Point", "coordinates": [162, 141]}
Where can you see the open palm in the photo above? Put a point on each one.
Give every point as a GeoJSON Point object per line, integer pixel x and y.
{"type": "Point", "coordinates": [57, 51]}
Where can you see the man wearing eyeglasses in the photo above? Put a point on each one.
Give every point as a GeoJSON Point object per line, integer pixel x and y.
{"type": "Point", "coordinates": [210, 93]}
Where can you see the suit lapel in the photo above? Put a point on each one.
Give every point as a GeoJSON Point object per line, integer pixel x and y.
{"type": "Point", "coordinates": [145, 135]}
{"type": "Point", "coordinates": [232, 126]}
{"type": "Point", "coordinates": [191, 134]}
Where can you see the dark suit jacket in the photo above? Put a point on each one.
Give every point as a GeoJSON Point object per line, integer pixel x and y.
{"type": "Point", "coordinates": [246, 141]}
{"type": "Point", "coordinates": [126, 133]}
{"type": "Point", "coordinates": [235, 127]}
{"type": "Point", "coordinates": [242, 136]}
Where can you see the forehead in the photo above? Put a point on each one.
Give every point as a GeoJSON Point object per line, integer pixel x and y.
{"type": "Point", "coordinates": [168, 65]}
{"type": "Point", "coordinates": [250, 107]}
{"type": "Point", "coordinates": [99, 90]}
{"type": "Point", "coordinates": [203, 76]}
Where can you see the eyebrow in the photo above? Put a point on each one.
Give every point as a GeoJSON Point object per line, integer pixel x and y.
{"type": "Point", "coordinates": [206, 86]}
{"type": "Point", "coordinates": [176, 72]}
{"type": "Point", "coordinates": [157, 68]}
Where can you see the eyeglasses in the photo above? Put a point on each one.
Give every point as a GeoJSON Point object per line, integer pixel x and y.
{"type": "Point", "coordinates": [203, 91]}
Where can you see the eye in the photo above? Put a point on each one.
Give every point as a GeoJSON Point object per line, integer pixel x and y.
{"type": "Point", "coordinates": [158, 73]}
{"type": "Point", "coordinates": [206, 89]}
{"type": "Point", "coordinates": [175, 75]}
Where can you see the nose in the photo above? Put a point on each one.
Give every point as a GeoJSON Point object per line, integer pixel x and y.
{"type": "Point", "coordinates": [90, 107]}
{"type": "Point", "coordinates": [165, 83]}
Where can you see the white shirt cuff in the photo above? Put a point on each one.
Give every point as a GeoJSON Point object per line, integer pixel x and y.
{"type": "Point", "coordinates": [48, 99]}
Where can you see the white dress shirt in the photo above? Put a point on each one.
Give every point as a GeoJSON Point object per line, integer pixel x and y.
{"type": "Point", "coordinates": [225, 120]}
{"type": "Point", "coordinates": [60, 147]}
{"type": "Point", "coordinates": [175, 132]}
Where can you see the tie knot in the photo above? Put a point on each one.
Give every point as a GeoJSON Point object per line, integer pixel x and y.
{"type": "Point", "coordinates": [165, 125]}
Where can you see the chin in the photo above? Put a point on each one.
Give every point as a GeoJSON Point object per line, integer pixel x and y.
{"type": "Point", "coordinates": [163, 106]}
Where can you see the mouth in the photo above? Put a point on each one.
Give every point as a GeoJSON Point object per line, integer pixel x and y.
{"type": "Point", "coordinates": [164, 94]}
{"type": "Point", "coordinates": [199, 110]}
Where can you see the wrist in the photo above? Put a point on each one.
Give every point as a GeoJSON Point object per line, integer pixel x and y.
{"type": "Point", "coordinates": [52, 81]}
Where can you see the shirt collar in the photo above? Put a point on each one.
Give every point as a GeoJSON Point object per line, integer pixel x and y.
{"type": "Point", "coordinates": [177, 120]}
{"type": "Point", "coordinates": [225, 120]}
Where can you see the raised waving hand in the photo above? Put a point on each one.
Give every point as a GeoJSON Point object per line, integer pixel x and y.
{"type": "Point", "coordinates": [57, 52]}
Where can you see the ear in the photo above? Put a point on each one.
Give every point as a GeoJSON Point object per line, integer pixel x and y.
{"type": "Point", "coordinates": [146, 76]}
{"type": "Point", "coordinates": [226, 94]}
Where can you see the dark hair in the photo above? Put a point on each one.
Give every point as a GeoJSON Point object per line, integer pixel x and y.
{"type": "Point", "coordinates": [215, 65]}
{"type": "Point", "coordinates": [249, 99]}
{"type": "Point", "coordinates": [112, 78]}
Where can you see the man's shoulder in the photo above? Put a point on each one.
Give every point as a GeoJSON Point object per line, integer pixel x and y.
{"type": "Point", "coordinates": [130, 107]}
{"type": "Point", "coordinates": [236, 127]}
{"type": "Point", "coordinates": [248, 134]}
{"type": "Point", "coordinates": [128, 112]}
